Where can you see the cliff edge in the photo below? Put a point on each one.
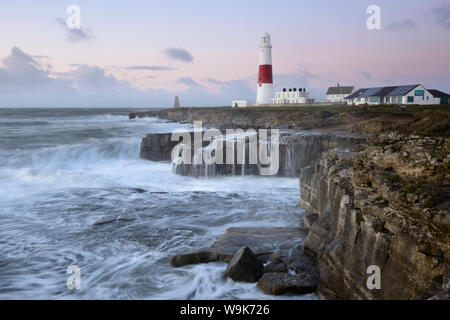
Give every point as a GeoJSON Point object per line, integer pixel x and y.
{"type": "Point", "coordinates": [388, 206]}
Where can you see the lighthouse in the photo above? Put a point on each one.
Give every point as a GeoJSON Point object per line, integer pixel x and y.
{"type": "Point", "coordinates": [264, 92]}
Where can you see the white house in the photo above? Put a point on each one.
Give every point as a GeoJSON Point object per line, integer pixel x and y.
{"type": "Point", "coordinates": [292, 96]}
{"type": "Point", "coordinates": [409, 94]}
{"type": "Point", "coordinates": [241, 103]}
{"type": "Point", "coordinates": [338, 93]}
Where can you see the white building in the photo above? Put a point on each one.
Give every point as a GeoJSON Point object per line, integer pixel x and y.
{"type": "Point", "coordinates": [241, 103]}
{"type": "Point", "coordinates": [338, 93]}
{"type": "Point", "coordinates": [409, 94]}
{"type": "Point", "coordinates": [292, 96]}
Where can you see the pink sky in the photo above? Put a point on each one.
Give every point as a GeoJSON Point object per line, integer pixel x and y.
{"type": "Point", "coordinates": [315, 45]}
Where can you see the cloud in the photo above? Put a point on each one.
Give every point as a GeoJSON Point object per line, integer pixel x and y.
{"type": "Point", "coordinates": [189, 82]}
{"type": "Point", "coordinates": [24, 82]}
{"type": "Point", "coordinates": [149, 68]}
{"type": "Point", "coordinates": [179, 54]}
{"type": "Point", "coordinates": [441, 15]}
{"type": "Point", "coordinates": [93, 79]}
{"type": "Point", "coordinates": [22, 70]}
{"type": "Point", "coordinates": [365, 74]}
{"type": "Point", "coordinates": [75, 35]}
{"type": "Point", "coordinates": [235, 89]}
{"type": "Point", "coordinates": [40, 57]}
{"type": "Point", "coordinates": [401, 25]}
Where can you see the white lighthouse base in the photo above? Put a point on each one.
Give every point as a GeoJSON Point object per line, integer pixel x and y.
{"type": "Point", "coordinates": [264, 93]}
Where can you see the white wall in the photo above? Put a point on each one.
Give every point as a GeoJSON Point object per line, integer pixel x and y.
{"type": "Point", "coordinates": [290, 97]}
{"type": "Point", "coordinates": [426, 99]}
{"type": "Point", "coordinates": [336, 97]}
{"type": "Point", "coordinates": [241, 103]}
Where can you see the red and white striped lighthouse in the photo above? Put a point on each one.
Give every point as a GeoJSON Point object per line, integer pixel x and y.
{"type": "Point", "coordinates": [264, 92]}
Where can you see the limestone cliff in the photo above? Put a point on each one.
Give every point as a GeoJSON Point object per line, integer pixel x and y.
{"type": "Point", "coordinates": [297, 149]}
{"type": "Point", "coordinates": [387, 205]}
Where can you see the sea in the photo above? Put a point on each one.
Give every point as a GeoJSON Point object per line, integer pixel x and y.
{"type": "Point", "coordinates": [77, 201]}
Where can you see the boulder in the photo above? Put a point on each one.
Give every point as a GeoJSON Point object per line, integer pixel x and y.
{"type": "Point", "coordinates": [276, 283]}
{"type": "Point", "coordinates": [244, 266]}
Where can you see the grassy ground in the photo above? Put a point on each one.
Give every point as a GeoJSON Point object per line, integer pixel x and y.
{"type": "Point", "coordinates": [413, 109]}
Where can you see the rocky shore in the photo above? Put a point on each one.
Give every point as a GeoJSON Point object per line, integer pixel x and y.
{"type": "Point", "coordinates": [388, 206]}
{"type": "Point", "coordinates": [297, 149]}
{"type": "Point", "coordinates": [382, 201]}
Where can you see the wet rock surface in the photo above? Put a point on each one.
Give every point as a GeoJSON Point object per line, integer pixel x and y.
{"type": "Point", "coordinates": [199, 257]}
{"type": "Point", "coordinates": [244, 266]}
{"type": "Point", "coordinates": [281, 283]}
{"type": "Point", "coordinates": [157, 147]}
{"type": "Point", "coordinates": [297, 149]}
{"type": "Point", "coordinates": [255, 252]}
{"type": "Point", "coordinates": [262, 241]}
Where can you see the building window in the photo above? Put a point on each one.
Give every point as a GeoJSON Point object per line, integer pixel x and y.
{"type": "Point", "coordinates": [410, 99]}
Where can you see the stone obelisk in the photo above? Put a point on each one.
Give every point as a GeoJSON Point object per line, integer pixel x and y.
{"type": "Point", "coordinates": [177, 102]}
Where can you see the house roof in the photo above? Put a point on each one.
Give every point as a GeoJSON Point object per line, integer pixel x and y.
{"type": "Point", "coordinates": [438, 94]}
{"type": "Point", "coordinates": [340, 90]}
{"type": "Point", "coordinates": [383, 91]}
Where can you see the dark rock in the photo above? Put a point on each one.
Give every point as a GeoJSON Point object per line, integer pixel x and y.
{"type": "Point", "coordinates": [264, 257]}
{"type": "Point", "coordinates": [303, 263]}
{"type": "Point", "coordinates": [106, 220]}
{"type": "Point", "coordinates": [114, 218]}
{"type": "Point", "coordinates": [281, 283]}
{"type": "Point", "coordinates": [157, 147]}
{"type": "Point", "coordinates": [439, 288]}
{"type": "Point", "coordinates": [309, 219]}
{"type": "Point", "coordinates": [244, 266]}
{"type": "Point", "coordinates": [275, 267]}
{"type": "Point", "coordinates": [276, 258]}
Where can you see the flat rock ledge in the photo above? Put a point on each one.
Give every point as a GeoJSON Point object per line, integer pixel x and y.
{"type": "Point", "coordinates": [262, 241]}
{"type": "Point", "coordinates": [273, 257]}
{"type": "Point", "coordinates": [276, 283]}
